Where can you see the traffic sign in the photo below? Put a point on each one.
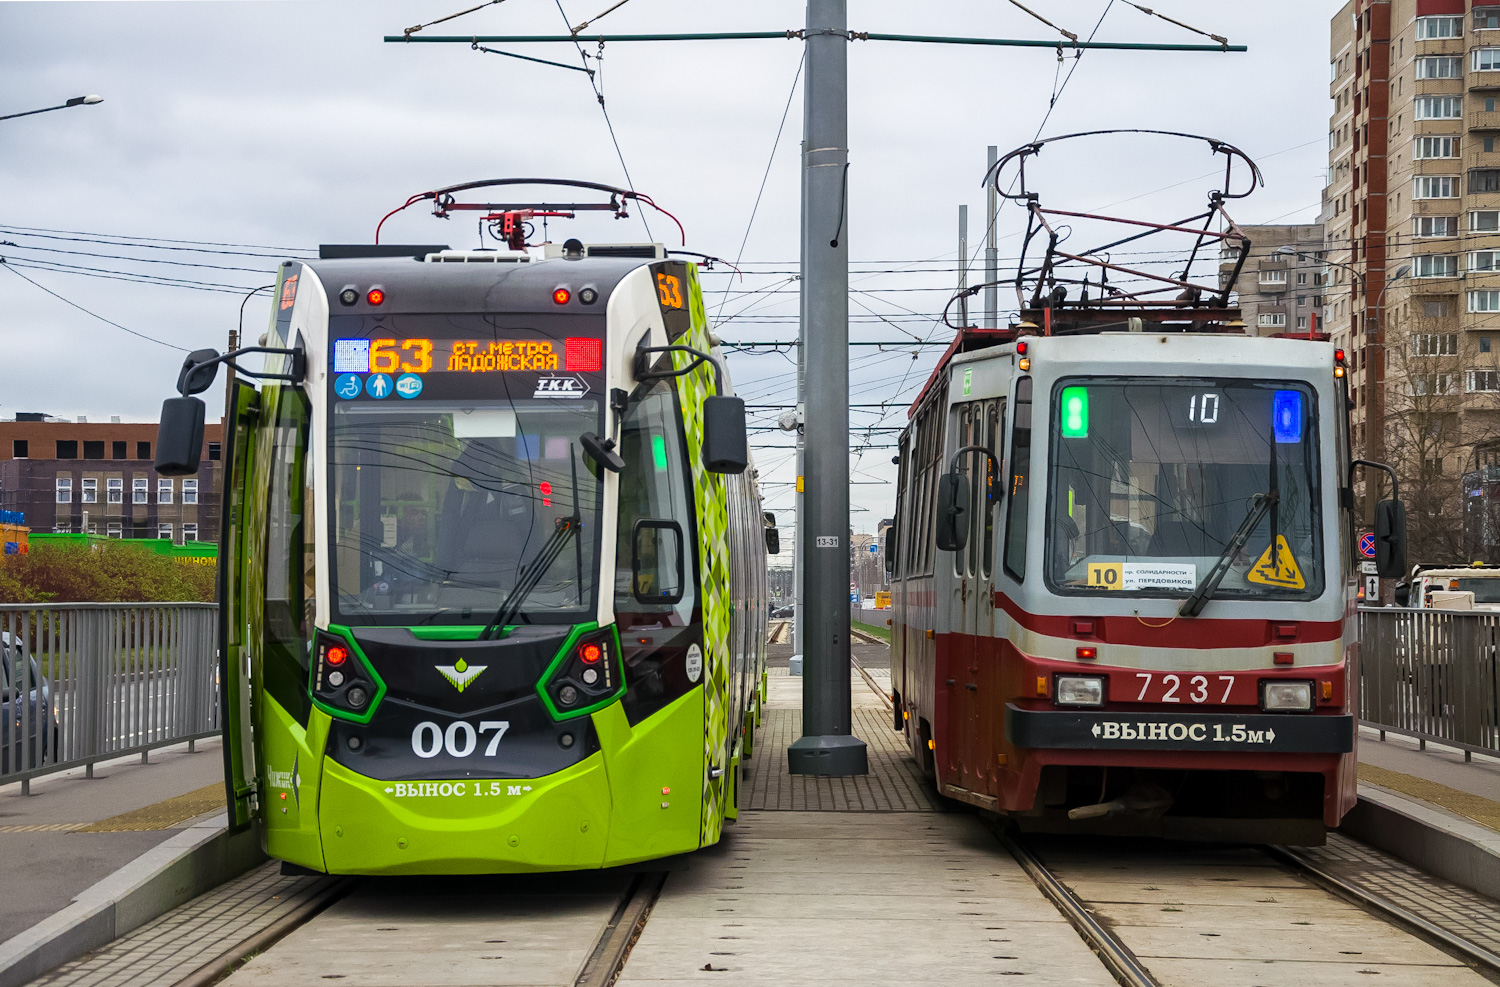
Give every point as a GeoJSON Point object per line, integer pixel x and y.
{"type": "Point", "coordinates": [1367, 545]}
{"type": "Point", "coordinates": [1367, 568]}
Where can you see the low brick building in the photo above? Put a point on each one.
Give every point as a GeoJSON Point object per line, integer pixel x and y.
{"type": "Point", "coordinates": [97, 477]}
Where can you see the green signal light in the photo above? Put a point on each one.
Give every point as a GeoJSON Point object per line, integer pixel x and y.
{"type": "Point", "coordinates": [1075, 412]}
{"type": "Point", "coordinates": [659, 452]}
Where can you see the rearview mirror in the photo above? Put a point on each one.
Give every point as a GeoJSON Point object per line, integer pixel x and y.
{"type": "Point", "coordinates": [179, 437]}
{"type": "Point", "coordinates": [1390, 539]}
{"type": "Point", "coordinates": [602, 451]}
{"type": "Point", "coordinates": [952, 512]}
{"type": "Point", "coordinates": [194, 378]}
{"type": "Point", "coordinates": [773, 541]}
{"type": "Point", "coordinates": [890, 550]}
{"type": "Point", "coordinates": [656, 563]}
{"type": "Point", "coordinates": [725, 446]}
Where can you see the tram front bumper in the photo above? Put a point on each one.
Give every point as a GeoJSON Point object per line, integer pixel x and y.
{"type": "Point", "coordinates": [1261, 733]}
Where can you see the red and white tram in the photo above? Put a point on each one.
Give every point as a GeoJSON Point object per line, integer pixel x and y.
{"type": "Point", "coordinates": [1123, 586]}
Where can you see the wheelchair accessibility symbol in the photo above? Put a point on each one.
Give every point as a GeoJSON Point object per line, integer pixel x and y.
{"type": "Point", "coordinates": [348, 386]}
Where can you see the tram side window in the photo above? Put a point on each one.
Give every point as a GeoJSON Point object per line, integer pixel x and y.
{"type": "Point", "coordinates": [289, 556]}
{"type": "Point", "coordinates": [1019, 492]}
{"type": "Point", "coordinates": [653, 486]}
{"type": "Point", "coordinates": [994, 419]}
{"type": "Point", "coordinates": [895, 558]}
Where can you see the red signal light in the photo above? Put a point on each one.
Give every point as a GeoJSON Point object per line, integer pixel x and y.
{"type": "Point", "coordinates": [561, 296]}
{"type": "Point", "coordinates": [1088, 654]}
{"type": "Point", "coordinates": [375, 296]}
{"type": "Point", "coordinates": [546, 488]}
{"type": "Point", "coordinates": [586, 355]}
{"type": "Point", "coordinates": [1021, 348]}
{"type": "Point", "coordinates": [590, 653]}
{"type": "Point", "coordinates": [337, 655]}
{"type": "Point", "coordinates": [1338, 356]}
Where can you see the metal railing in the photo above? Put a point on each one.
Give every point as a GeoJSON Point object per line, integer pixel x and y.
{"type": "Point", "coordinates": [86, 682]}
{"type": "Point", "coordinates": [1432, 675]}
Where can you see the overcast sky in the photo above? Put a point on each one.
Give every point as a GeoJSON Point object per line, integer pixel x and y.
{"type": "Point", "coordinates": [285, 123]}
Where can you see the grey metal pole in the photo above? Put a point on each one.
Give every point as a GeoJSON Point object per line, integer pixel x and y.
{"type": "Point", "coordinates": [991, 254]}
{"type": "Point", "coordinates": [827, 745]}
{"type": "Point", "coordinates": [963, 265]}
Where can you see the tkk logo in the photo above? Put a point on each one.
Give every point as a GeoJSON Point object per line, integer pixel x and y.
{"type": "Point", "coordinates": [560, 387]}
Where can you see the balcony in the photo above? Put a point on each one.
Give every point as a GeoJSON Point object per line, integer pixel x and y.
{"type": "Point", "coordinates": [1480, 119]}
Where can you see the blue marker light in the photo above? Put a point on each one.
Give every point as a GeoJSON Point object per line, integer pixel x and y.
{"type": "Point", "coordinates": [1286, 416]}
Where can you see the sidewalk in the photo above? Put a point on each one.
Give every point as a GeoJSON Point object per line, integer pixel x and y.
{"type": "Point", "coordinates": [1438, 776]}
{"type": "Point", "coordinates": [73, 831]}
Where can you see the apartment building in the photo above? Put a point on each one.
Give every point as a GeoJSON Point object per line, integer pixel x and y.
{"type": "Point", "coordinates": [1280, 288]}
{"type": "Point", "coordinates": [98, 478]}
{"type": "Point", "coordinates": [1412, 211]}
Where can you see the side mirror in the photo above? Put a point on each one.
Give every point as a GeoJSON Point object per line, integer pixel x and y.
{"type": "Point", "coordinates": [890, 550]}
{"type": "Point", "coordinates": [726, 448]}
{"type": "Point", "coordinates": [952, 512]}
{"type": "Point", "coordinates": [773, 541]}
{"type": "Point", "coordinates": [179, 437]}
{"type": "Point", "coordinates": [194, 378]}
{"type": "Point", "coordinates": [601, 451]}
{"type": "Point", "coordinates": [656, 562]}
{"type": "Point", "coordinates": [1390, 539]}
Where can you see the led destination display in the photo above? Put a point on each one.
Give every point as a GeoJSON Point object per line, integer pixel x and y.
{"type": "Point", "coordinates": [420, 356]}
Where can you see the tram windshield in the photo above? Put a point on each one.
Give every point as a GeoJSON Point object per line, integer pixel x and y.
{"type": "Point", "coordinates": [1151, 479]}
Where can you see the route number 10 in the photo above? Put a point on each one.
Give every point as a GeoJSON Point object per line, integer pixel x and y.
{"type": "Point", "coordinates": [1204, 409]}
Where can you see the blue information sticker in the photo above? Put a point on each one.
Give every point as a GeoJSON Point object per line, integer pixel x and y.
{"type": "Point", "coordinates": [348, 386]}
{"type": "Point", "coordinates": [378, 385]}
{"type": "Point", "coordinates": [351, 356]}
{"type": "Point", "coordinates": [408, 385]}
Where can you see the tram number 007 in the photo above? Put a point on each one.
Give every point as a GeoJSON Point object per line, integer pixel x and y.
{"type": "Point", "coordinates": [459, 740]}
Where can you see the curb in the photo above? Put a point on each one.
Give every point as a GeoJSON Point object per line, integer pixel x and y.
{"type": "Point", "coordinates": [1429, 839]}
{"type": "Point", "coordinates": [181, 868]}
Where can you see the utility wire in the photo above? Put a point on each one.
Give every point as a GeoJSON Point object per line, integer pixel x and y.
{"type": "Point", "coordinates": [598, 17]}
{"type": "Point", "coordinates": [96, 315]}
{"type": "Point", "coordinates": [1147, 10]}
{"type": "Point", "coordinates": [148, 242]}
{"type": "Point", "coordinates": [775, 144]}
{"type": "Point", "coordinates": [413, 30]}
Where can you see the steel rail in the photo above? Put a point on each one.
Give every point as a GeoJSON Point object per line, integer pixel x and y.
{"type": "Point", "coordinates": [614, 944]}
{"type": "Point", "coordinates": [1112, 952]}
{"type": "Point", "coordinates": [1453, 944]}
{"type": "Point", "coordinates": [235, 956]}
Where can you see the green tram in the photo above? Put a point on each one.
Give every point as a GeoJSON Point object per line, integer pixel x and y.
{"type": "Point", "coordinates": [493, 575]}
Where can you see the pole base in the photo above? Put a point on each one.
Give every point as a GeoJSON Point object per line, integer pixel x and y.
{"type": "Point", "coordinates": [831, 755]}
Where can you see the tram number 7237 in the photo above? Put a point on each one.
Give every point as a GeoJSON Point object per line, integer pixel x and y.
{"type": "Point", "coordinates": [459, 740]}
{"type": "Point", "coordinates": [1178, 688]}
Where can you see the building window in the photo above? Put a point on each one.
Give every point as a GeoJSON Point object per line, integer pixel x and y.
{"type": "Point", "coordinates": [90, 490]}
{"type": "Point", "coordinates": [93, 449]}
{"type": "Point", "coordinates": [163, 491]}
{"type": "Point", "coordinates": [1302, 322]}
{"type": "Point", "coordinates": [1273, 277]}
{"type": "Point", "coordinates": [140, 488]}
{"type": "Point", "coordinates": [1484, 301]}
{"type": "Point", "coordinates": [143, 450]}
{"type": "Point", "coordinates": [1484, 180]}
{"type": "Point", "coordinates": [1434, 344]}
{"type": "Point", "coordinates": [1486, 18]}
{"type": "Point", "coordinates": [1423, 148]}
{"type": "Point", "coordinates": [67, 449]}
{"type": "Point", "coordinates": [1422, 385]}
{"type": "Point", "coordinates": [1434, 187]}
{"type": "Point", "coordinates": [1429, 28]}
{"type": "Point", "coordinates": [1435, 266]}
{"type": "Point", "coordinates": [1484, 344]}
{"type": "Point", "coordinates": [1485, 59]}
{"type": "Point", "coordinates": [1440, 67]}
{"type": "Point", "coordinates": [1436, 308]}
{"type": "Point", "coordinates": [214, 452]}
{"type": "Point", "coordinates": [190, 491]}
{"type": "Point", "coordinates": [117, 450]}
{"type": "Point", "coordinates": [1302, 277]}
{"type": "Point", "coordinates": [189, 532]}
{"type": "Point", "coordinates": [1277, 320]}
{"type": "Point", "coordinates": [65, 490]}
{"type": "Point", "coordinates": [114, 490]}
{"type": "Point", "coordinates": [1484, 260]}
{"type": "Point", "coordinates": [1439, 107]}
{"type": "Point", "coordinates": [1482, 381]}
{"type": "Point", "coordinates": [1487, 221]}
{"type": "Point", "coordinates": [164, 531]}
{"type": "Point", "coordinates": [114, 530]}
{"type": "Point", "coordinates": [20, 448]}
{"type": "Point", "coordinates": [1428, 226]}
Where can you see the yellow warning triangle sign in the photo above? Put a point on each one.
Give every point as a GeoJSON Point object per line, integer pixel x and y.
{"type": "Point", "coordinates": [1277, 567]}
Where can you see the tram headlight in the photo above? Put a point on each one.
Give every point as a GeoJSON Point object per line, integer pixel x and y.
{"type": "Point", "coordinates": [1280, 696]}
{"type": "Point", "coordinates": [1079, 690]}
{"type": "Point", "coordinates": [585, 675]}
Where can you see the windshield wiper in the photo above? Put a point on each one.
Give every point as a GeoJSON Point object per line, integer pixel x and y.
{"type": "Point", "coordinates": [531, 574]}
{"type": "Point", "coordinates": [1261, 503]}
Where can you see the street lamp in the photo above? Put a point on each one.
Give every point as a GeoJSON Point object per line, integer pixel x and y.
{"type": "Point", "coordinates": [75, 101]}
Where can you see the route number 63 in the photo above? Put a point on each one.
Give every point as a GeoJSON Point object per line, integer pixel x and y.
{"type": "Point", "coordinates": [459, 740]}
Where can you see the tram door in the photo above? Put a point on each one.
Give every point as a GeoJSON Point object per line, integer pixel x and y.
{"type": "Point", "coordinates": [973, 664]}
